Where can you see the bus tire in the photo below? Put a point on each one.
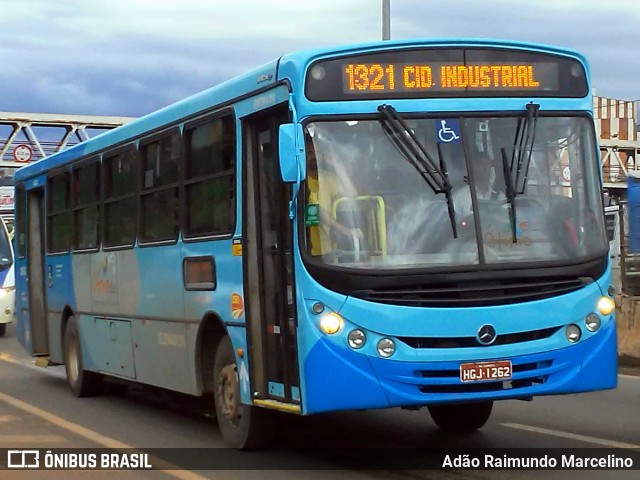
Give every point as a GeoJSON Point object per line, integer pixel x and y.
{"type": "Point", "coordinates": [3, 329]}
{"type": "Point", "coordinates": [242, 426]}
{"type": "Point", "coordinates": [461, 417]}
{"type": "Point", "coordinates": [81, 382]}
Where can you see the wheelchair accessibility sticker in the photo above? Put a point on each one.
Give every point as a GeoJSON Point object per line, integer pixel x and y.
{"type": "Point", "coordinates": [448, 130]}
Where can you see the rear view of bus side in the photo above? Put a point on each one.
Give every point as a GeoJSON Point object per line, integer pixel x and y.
{"type": "Point", "coordinates": [398, 224]}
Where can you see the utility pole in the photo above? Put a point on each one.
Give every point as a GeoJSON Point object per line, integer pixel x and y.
{"type": "Point", "coordinates": [386, 20]}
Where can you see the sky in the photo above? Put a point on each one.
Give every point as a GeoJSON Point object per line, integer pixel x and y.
{"type": "Point", "coordinates": [131, 57]}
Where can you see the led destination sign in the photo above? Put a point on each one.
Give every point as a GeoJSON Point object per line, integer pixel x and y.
{"type": "Point", "coordinates": [376, 77]}
{"type": "Point", "coordinates": [447, 72]}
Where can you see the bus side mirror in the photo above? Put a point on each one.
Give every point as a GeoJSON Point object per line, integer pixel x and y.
{"type": "Point", "coordinates": [291, 153]}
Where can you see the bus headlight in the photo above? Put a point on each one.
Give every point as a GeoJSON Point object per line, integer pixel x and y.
{"type": "Point", "coordinates": [573, 333]}
{"type": "Point", "coordinates": [331, 323]}
{"type": "Point", "coordinates": [386, 347]}
{"type": "Point", "coordinates": [606, 305]}
{"type": "Point", "coordinates": [356, 339]}
{"type": "Point", "coordinates": [592, 322]}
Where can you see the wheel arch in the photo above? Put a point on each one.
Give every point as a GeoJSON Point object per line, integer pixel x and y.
{"type": "Point", "coordinates": [67, 312]}
{"type": "Point", "coordinates": [212, 330]}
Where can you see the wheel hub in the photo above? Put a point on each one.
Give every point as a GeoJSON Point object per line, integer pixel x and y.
{"type": "Point", "coordinates": [74, 367]}
{"type": "Point", "coordinates": [228, 393]}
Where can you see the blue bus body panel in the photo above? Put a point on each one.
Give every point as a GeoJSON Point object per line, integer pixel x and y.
{"type": "Point", "coordinates": [60, 293]}
{"type": "Point", "coordinates": [23, 319]}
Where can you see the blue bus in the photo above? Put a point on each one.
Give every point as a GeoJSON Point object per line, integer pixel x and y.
{"type": "Point", "coordinates": [408, 224]}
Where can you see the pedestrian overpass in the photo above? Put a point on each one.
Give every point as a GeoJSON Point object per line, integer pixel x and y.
{"type": "Point", "coordinates": [28, 137]}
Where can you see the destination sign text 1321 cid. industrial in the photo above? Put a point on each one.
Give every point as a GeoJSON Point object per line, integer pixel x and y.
{"type": "Point", "coordinates": [445, 73]}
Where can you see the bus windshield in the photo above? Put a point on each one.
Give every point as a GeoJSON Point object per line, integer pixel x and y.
{"type": "Point", "coordinates": [517, 188]}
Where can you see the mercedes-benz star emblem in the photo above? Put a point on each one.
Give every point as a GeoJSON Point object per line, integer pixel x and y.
{"type": "Point", "coordinates": [487, 335]}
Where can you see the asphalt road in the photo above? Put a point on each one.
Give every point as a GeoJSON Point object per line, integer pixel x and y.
{"type": "Point", "coordinates": [38, 411]}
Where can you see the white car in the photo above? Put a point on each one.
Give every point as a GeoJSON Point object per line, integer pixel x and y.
{"type": "Point", "coordinates": [7, 280]}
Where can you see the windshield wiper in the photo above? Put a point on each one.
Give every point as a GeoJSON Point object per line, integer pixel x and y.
{"type": "Point", "coordinates": [510, 193]}
{"type": "Point", "coordinates": [434, 174]}
{"type": "Point", "coordinates": [523, 147]}
{"type": "Point", "coordinates": [515, 174]}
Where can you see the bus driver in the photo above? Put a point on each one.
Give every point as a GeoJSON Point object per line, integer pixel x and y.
{"type": "Point", "coordinates": [323, 189]}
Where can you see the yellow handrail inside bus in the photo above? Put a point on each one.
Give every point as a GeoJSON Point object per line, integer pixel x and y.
{"type": "Point", "coordinates": [374, 210]}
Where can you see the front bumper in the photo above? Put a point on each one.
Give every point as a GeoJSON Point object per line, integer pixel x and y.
{"type": "Point", "coordinates": [337, 378]}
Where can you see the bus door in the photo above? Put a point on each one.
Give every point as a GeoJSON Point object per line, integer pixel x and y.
{"type": "Point", "coordinates": [35, 272]}
{"type": "Point", "coordinates": [268, 266]}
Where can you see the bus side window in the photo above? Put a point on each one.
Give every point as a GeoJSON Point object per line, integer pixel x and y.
{"type": "Point", "coordinates": [85, 206]}
{"type": "Point", "coordinates": [59, 213]}
{"type": "Point", "coordinates": [210, 178]}
{"type": "Point", "coordinates": [120, 205]}
{"type": "Point", "coordinates": [159, 195]}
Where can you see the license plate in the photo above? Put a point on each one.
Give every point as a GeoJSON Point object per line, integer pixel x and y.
{"type": "Point", "coordinates": [477, 372]}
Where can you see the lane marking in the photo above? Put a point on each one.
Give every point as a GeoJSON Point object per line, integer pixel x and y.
{"type": "Point", "coordinates": [8, 418]}
{"type": "Point", "coordinates": [92, 436]}
{"type": "Point", "coordinates": [7, 357]}
{"type": "Point", "coordinates": [13, 439]}
{"type": "Point", "coordinates": [54, 371]}
{"type": "Point", "coordinates": [572, 436]}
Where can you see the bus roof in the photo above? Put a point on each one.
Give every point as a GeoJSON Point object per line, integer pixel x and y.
{"type": "Point", "coordinates": [291, 65]}
{"type": "Point", "coordinates": [311, 54]}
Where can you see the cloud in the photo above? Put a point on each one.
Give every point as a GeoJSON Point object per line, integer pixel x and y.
{"type": "Point", "coordinates": [602, 31]}
{"type": "Point", "coordinates": [86, 53]}
{"type": "Point", "coordinates": [129, 57]}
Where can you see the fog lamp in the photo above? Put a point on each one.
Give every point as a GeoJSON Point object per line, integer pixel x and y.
{"type": "Point", "coordinates": [573, 333]}
{"type": "Point", "coordinates": [357, 339]}
{"type": "Point", "coordinates": [386, 347]}
{"type": "Point", "coordinates": [592, 322]}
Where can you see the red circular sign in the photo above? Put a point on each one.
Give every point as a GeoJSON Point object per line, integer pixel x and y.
{"type": "Point", "coordinates": [22, 153]}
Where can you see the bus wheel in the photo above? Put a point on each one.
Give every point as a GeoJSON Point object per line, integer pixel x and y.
{"type": "Point", "coordinates": [242, 426]}
{"type": "Point", "coordinates": [82, 382]}
{"type": "Point", "coordinates": [461, 417]}
{"type": "Point", "coordinates": [3, 329]}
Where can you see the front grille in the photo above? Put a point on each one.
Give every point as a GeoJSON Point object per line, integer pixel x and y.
{"type": "Point", "coordinates": [466, 342]}
{"type": "Point", "coordinates": [474, 294]}
{"type": "Point", "coordinates": [484, 386]}
{"type": "Point", "coordinates": [527, 375]}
